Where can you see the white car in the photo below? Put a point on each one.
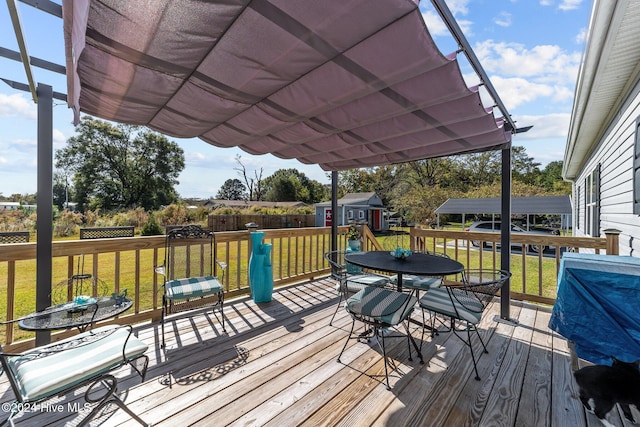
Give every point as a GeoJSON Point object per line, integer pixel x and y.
{"type": "Point", "coordinates": [494, 227]}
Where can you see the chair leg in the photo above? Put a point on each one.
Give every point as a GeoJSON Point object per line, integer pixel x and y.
{"type": "Point", "coordinates": [221, 309]}
{"type": "Point", "coordinates": [410, 340]}
{"type": "Point", "coordinates": [336, 310]}
{"type": "Point", "coordinates": [353, 325]}
{"type": "Point", "coordinates": [484, 347]}
{"type": "Point", "coordinates": [384, 358]}
{"type": "Point", "coordinates": [110, 383]}
{"type": "Point", "coordinates": [163, 315]}
{"type": "Point", "coordinates": [473, 356]}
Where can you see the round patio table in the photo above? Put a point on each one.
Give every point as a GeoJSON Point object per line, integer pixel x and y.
{"type": "Point", "coordinates": [74, 315]}
{"type": "Point", "coordinates": [420, 264]}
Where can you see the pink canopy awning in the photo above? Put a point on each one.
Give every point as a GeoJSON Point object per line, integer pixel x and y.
{"type": "Point", "coordinates": [339, 83]}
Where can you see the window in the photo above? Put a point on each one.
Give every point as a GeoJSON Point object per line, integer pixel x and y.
{"type": "Point", "coordinates": [350, 214]}
{"type": "Point", "coordinates": [360, 214]}
{"type": "Point", "coordinates": [636, 171]}
{"type": "Point", "coordinates": [592, 203]}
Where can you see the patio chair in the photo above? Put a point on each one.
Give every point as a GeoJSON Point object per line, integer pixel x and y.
{"type": "Point", "coordinates": [190, 273]}
{"type": "Point", "coordinates": [464, 303]}
{"type": "Point", "coordinates": [350, 280]}
{"type": "Point", "coordinates": [414, 284]}
{"type": "Point", "coordinates": [85, 360]}
{"type": "Point", "coordinates": [381, 309]}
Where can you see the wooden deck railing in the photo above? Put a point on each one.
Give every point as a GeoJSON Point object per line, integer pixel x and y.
{"type": "Point", "coordinates": [297, 254]}
{"type": "Point", "coordinates": [534, 273]}
{"type": "Point", "coordinates": [128, 263]}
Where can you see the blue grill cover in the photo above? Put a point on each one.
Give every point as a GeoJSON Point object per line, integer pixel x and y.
{"type": "Point", "coordinates": [598, 306]}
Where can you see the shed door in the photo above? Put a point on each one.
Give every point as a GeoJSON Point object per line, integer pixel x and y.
{"type": "Point", "coordinates": [328, 217]}
{"type": "Point", "coordinates": [377, 219]}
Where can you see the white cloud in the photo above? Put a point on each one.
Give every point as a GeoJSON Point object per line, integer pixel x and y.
{"type": "Point", "coordinates": [59, 140]}
{"type": "Point", "coordinates": [518, 91]}
{"type": "Point", "coordinates": [545, 63]}
{"type": "Point", "coordinates": [436, 26]}
{"type": "Point", "coordinates": [546, 126]}
{"type": "Point", "coordinates": [582, 36]}
{"type": "Point", "coordinates": [503, 19]}
{"type": "Point", "coordinates": [17, 105]}
{"type": "Point", "coordinates": [24, 144]}
{"type": "Point", "coordinates": [458, 6]}
{"type": "Point", "coordinates": [564, 4]}
{"type": "Point", "coordinates": [569, 4]}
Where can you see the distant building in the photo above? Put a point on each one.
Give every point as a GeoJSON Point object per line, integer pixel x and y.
{"type": "Point", "coordinates": [353, 208]}
{"type": "Point", "coordinates": [9, 206]}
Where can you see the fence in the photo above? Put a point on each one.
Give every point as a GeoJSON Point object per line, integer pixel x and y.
{"type": "Point", "coordinates": [14, 237]}
{"type": "Point", "coordinates": [106, 232]}
{"type": "Point", "coordinates": [237, 222]}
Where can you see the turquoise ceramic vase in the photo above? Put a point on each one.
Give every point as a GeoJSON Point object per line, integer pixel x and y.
{"type": "Point", "coordinates": [260, 269]}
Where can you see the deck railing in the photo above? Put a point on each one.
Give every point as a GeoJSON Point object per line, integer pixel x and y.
{"type": "Point", "coordinates": [297, 254]}
{"type": "Point", "coordinates": [534, 271]}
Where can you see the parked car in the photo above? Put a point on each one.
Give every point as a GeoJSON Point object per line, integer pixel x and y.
{"type": "Point", "coordinates": [494, 227]}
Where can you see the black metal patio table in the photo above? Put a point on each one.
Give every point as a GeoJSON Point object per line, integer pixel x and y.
{"type": "Point", "coordinates": [75, 315]}
{"type": "Point", "coordinates": [420, 264]}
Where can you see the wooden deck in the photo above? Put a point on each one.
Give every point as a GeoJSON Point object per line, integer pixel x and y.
{"type": "Point", "coordinates": [277, 367]}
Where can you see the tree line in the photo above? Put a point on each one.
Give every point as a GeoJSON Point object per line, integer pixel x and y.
{"type": "Point", "coordinates": [118, 167]}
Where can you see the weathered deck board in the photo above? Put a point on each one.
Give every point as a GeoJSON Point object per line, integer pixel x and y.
{"type": "Point", "coordinates": [277, 366]}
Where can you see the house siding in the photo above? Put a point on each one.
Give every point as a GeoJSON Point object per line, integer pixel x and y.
{"type": "Point", "coordinates": [614, 153]}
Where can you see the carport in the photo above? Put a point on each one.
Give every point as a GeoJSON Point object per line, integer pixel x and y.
{"type": "Point", "coordinates": [544, 205]}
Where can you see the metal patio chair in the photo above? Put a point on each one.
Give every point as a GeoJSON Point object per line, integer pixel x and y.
{"type": "Point", "coordinates": [190, 273]}
{"type": "Point", "coordinates": [350, 279]}
{"type": "Point", "coordinates": [463, 304]}
{"type": "Point", "coordinates": [382, 310]}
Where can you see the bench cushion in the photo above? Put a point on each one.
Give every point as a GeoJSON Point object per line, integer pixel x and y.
{"type": "Point", "coordinates": [50, 374]}
{"type": "Point", "coordinates": [192, 287]}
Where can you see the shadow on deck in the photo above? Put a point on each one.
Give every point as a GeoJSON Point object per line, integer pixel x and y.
{"type": "Point", "coordinates": [277, 366]}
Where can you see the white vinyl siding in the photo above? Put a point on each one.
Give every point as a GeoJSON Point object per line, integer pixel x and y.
{"type": "Point", "coordinates": [614, 154]}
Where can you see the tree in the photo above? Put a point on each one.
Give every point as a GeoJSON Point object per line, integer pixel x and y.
{"type": "Point", "coordinates": [524, 168]}
{"type": "Point", "coordinates": [232, 189]}
{"type": "Point", "coordinates": [254, 185]}
{"type": "Point", "coordinates": [121, 166]}
{"type": "Point", "coordinates": [62, 191]}
{"type": "Point", "coordinates": [551, 179]}
{"type": "Point", "coordinates": [291, 185]}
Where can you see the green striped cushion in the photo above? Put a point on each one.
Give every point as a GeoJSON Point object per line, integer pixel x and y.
{"type": "Point", "coordinates": [438, 300]}
{"type": "Point", "coordinates": [46, 376]}
{"type": "Point", "coordinates": [358, 282]}
{"type": "Point", "coordinates": [192, 287]}
{"type": "Point", "coordinates": [417, 282]}
{"type": "Point", "coordinates": [381, 304]}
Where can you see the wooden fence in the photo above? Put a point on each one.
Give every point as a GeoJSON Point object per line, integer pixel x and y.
{"type": "Point", "coordinates": [237, 222]}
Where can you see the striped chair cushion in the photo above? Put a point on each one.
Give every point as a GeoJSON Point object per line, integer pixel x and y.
{"type": "Point", "coordinates": [384, 305]}
{"type": "Point", "coordinates": [417, 282]}
{"type": "Point", "coordinates": [46, 376]}
{"type": "Point", "coordinates": [359, 282]}
{"type": "Point", "coordinates": [192, 287]}
{"type": "Point", "coordinates": [439, 301]}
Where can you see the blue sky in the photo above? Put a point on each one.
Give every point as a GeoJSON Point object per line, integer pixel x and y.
{"type": "Point", "coordinates": [531, 50]}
